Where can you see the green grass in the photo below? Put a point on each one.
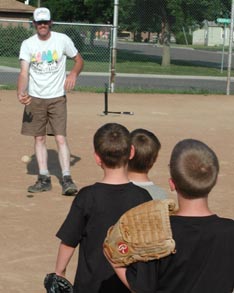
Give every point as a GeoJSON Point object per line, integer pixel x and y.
{"type": "Point", "coordinates": [206, 48]}
{"type": "Point", "coordinates": [173, 69]}
{"type": "Point", "coordinates": [137, 67]}
{"type": "Point", "coordinates": [9, 61]}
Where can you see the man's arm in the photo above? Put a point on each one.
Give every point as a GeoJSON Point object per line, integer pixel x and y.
{"type": "Point", "coordinates": [22, 84]}
{"type": "Point", "coordinates": [65, 253]}
{"type": "Point", "coordinates": [72, 76]}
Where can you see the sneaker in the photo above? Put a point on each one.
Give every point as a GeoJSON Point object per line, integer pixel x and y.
{"type": "Point", "coordinates": [43, 183]}
{"type": "Point", "coordinates": [68, 186]}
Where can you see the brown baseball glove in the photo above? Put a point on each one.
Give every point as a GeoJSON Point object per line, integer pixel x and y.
{"type": "Point", "coordinates": [142, 233]}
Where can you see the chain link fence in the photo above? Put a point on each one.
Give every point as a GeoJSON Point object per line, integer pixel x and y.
{"type": "Point", "coordinates": [92, 41]}
{"type": "Point", "coordinates": [164, 45]}
{"type": "Point", "coordinates": [183, 43]}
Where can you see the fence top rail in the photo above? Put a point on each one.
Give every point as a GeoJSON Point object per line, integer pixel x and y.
{"type": "Point", "coordinates": [58, 22]}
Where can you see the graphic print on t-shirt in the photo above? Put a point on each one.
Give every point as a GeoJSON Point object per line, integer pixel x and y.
{"type": "Point", "coordinates": [45, 61]}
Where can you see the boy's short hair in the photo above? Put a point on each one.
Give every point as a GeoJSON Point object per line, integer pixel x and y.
{"type": "Point", "coordinates": [113, 145]}
{"type": "Point", "coordinates": [147, 146]}
{"type": "Point", "coordinates": [194, 168]}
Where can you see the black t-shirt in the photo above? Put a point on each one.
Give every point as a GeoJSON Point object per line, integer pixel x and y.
{"type": "Point", "coordinates": [93, 211]}
{"type": "Point", "coordinates": [203, 262]}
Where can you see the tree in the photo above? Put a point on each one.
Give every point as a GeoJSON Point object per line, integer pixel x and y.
{"type": "Point", "coordinates": [66, 10]}
{"type": "Point", "coordinates": [79, 10]}
{"type": "Point", "coordinates": [179, 13]}
{"type": "Point", "coordinates": [63, 10]}
{"type": "Point", "coordinates": [100, 11]}
{"type": "Point", "coordinates": [168, 16]}
{"type": "Point", "coordinates": [138, 16]}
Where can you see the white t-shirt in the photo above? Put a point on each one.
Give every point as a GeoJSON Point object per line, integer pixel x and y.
{"type": "Point", "coordinates": [155, 191]}
{"type": "Point", "coordinates": [47, 59]}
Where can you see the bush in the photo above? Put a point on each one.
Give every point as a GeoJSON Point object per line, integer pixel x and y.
{"type": "Point", "coordinates": [180, 38]}
{"type": "Point", "coordinates": [13, 36]}
{"type": "Point", "coordinates": [11, 39]}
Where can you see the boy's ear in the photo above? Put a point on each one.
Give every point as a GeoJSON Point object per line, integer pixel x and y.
{"type": "Point", "coordinates": [171, 184]}
{"type": "Point", "coordinates": [132, 152]}
{"type": "Point", "coordinates": [97, 159]}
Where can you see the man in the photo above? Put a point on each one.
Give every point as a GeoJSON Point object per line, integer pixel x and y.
{"type": "Point", "coordinates": [204, 256]}
{"type": "Point", "coordinates": [42, 87]}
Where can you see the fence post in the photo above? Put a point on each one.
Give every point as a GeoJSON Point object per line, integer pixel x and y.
{"type": "Point", "coordinates": [230, 51]}
{"type": "Point", "coordinates": [114, 45]}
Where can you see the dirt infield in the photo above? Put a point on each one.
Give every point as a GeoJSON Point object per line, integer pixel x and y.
{"type": "Point", "coordinates": [28, 224]}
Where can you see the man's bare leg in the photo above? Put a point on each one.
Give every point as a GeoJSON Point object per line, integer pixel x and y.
{"type": "Point", "coordinates": [68, 186]}
{"type": "Point", "coordinates": [44, 181]}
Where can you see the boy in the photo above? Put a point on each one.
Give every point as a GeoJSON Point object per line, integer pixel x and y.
{"type": "Point", "coordinates": [95, 209]}
{"type": "Point", "coordinates": [204, 256]}
{"type": "Point", "coordinates": [147, 147]}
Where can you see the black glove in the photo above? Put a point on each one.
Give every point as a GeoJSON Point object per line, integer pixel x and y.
{"type": "Point", "coordinates": [57, 284]}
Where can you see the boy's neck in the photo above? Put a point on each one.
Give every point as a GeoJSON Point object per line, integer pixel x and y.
{"type": "Point", "coordinates": [138, 177]}
{"type": "Point", "coordinates": [193, 207]}
{"type": "Point", "coordinates": [115, 176]}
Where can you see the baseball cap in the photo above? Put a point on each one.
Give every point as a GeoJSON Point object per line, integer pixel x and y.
{"type": "Point", "coordinates": [41, 14]}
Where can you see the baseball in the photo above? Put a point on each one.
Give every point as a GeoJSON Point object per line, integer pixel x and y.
{"type": "Point", "coordinates": [26, 159]}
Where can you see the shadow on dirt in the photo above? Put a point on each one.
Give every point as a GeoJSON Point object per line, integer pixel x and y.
{"type": "Point", "coordinates": [53, 164]}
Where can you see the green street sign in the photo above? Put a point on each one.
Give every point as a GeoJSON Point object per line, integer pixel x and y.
{"type": "Point", "coordinates": [223, 20]}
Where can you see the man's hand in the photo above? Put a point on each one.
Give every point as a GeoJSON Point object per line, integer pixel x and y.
{"type": "Point", "coordinates": [24, 99]}
{"type": "Point", "coordinates": [70, 82]}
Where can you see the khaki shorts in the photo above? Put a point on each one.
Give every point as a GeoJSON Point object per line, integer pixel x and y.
{"type": "Point", "coordinates": [45, 116]}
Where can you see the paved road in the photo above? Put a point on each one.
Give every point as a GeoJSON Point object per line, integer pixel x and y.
{"type": "Point", "coordinates": [197, 57]}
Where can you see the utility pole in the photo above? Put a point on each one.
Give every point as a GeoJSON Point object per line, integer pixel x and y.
{"type": "Point", "coordinates": [38, 3]}
{"type": "Point", "coordinates": [230, 51]}
{"type": "Point", "coordinates": [114, 45]}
